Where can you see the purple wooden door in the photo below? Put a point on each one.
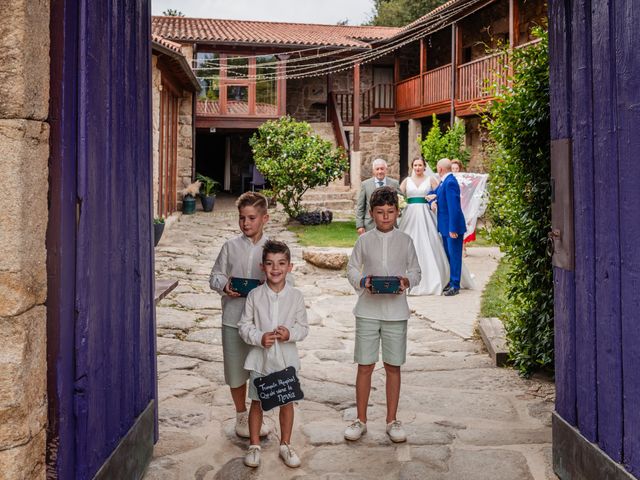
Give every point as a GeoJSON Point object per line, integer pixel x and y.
{"type": "Point", "coordinates": [101, 352]}
{"type": "Point", "coordinates": [595, 93]}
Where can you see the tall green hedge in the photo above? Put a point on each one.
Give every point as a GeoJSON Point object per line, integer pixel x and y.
{"type": "Point", "coordinates": [520, 206]}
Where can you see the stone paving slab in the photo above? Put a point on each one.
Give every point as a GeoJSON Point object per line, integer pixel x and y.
{"type": "Point", "coordinates": [465, 419]}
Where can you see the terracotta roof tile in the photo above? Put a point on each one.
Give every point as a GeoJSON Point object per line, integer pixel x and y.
{"type": "Point", "coordinates": [176, 47]}
{"type": "Point", "coordinates": [185, 29]}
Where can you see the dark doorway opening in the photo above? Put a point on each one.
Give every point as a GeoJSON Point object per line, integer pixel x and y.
{"type": "Point", "coordinates": [404, 150]}
{"type": "Point", "coordinates": [210, 155]}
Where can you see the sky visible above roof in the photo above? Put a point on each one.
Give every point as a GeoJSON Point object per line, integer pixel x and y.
{"type": "Point", "coordinates": [296, 11]}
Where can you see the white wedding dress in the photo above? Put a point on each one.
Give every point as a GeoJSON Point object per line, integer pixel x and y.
{"type": "Point", "coordinates": [419, 222]}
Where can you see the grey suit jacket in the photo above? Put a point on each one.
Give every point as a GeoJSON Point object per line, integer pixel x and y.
{"type": "Point", "coordinates": [363, 216]}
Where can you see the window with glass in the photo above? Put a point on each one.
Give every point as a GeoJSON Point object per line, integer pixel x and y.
{"type": "Point", "coordinates": [207, 71]}
{"type": "Point", "coordinates": [237, 68]}
{"type": "Point", "coordinates": [266, 85]}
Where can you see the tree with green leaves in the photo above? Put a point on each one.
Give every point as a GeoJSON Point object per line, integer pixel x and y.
{"type": "Point", "coordinates": [170, 12]}
{"type": "Point", "coordinates": [520, 207]}
{"type": "Point", "coordinates": [293, 159]}
{"type": "Point", "coordinates": [448, 144]}
{"type": "Point", "coordinates": [398, 13]}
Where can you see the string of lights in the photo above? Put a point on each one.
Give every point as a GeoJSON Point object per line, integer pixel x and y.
{"type": "Point", "coordinates": [313, 68]}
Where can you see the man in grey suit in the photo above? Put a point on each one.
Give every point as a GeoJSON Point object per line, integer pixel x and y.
{"type": "Point", "coordinates": [364, 222]}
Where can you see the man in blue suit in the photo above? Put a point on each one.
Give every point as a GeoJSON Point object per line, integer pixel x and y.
{"type": "Point", "coordinates": [451, 223]}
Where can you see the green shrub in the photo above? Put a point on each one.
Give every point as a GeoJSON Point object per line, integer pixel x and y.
{"type": "Point", "coordinates": [293, 160]}
{"type": "Point", "coordinates": [518, 126]}
{"type": "Point", "coordinates": [450, 144]}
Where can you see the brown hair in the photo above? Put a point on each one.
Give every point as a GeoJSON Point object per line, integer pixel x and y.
{"type": "Point", "coordinates": [252, 199]}
{"type": "Point", "coordinates": [384, 196]}
{"type": "Point", "coordinates": [455, 161]}
{"type": "Point", "coordinates": [274, 246]}
{"type": "Point", "coordinates": [424, 164]}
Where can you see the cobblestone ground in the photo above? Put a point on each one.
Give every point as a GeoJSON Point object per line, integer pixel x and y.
{"type": "Point", "coordinates": [465, 419]}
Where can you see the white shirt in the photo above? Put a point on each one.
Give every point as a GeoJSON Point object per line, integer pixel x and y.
{"type": "Point", "coordinates": [377, 182]}
{"type": "Point", "coordinates": [264, 311]}
{"type": "Point", "coordinates": [387, 254]}
{"type": "Point", "coordinates": [239, 257]}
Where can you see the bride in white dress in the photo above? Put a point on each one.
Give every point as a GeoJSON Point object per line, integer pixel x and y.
{"type": "Point", "coordinates": [419, 222]}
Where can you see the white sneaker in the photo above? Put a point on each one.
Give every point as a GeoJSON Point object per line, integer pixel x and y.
{"type": "Point", "coordinates": [242, 424]}
{"type": "Point", "coordinates": [396, 432]}
{"type": "Point", "coordinates": [264, 429]}
{"type": "Point", "coordinates": [252, 457]}
{"type": "Point", "coordinates": [355, 430]}
{"type": "Point", "coordinates": [289, 456]}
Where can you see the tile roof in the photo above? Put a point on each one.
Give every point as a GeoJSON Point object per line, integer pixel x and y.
{"type": "Point", "coordinates": [176, 47]}
{"type": "Point", "coordinates": [185, 29]}
{"type": "Point", "coordinates": [445, 6]}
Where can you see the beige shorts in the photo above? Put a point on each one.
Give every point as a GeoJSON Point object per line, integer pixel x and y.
{"type": "Point", "coordinates": [234, 352]}
{"type": "Point", "coordinates": [371, 333]}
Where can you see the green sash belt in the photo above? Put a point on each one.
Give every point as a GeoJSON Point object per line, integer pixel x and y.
{"type": "Point", "coordinates": [416, 200]}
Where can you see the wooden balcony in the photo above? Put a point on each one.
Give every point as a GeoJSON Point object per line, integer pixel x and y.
{"type": "Point", "coordinates": [375, 102]}
{"type": "Point", "coordinates": [430, 92]}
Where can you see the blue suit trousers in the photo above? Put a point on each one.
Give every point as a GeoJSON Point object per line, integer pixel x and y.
{"type": "Point", "coordinates": [453, 249]}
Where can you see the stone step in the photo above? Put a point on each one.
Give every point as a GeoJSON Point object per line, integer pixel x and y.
{"type": "Point", "coordinates": [330, 204]}
{"type": "Point", "coordinates": [494, 337]}
{"type": "Point", "coordinates": [316, 196]}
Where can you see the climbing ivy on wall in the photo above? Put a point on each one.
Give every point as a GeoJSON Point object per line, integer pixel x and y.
{"type": "Point", "coordinates": [520, 206]}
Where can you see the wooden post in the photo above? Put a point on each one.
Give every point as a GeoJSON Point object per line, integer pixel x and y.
{"type": "Point", "coordinates": [222, 95]}
{"type": "Point", "coordinates": [423, 69]}
{"type": "Point", "coordinates": [454, 69]}
{"type": "Point", "coordinates": [396, 70]}
{"type": "Point", "coordinates": [356, 107]}
{"type": "Point", "coordinates": [282, 84]}
{"type": "Point", "coordinates": [514, 23]}
{"type": "Point", "coordinates": [252, 87]}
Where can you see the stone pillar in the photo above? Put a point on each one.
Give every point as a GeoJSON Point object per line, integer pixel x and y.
{"type": "Point", "coordinates": [156, 87]}
{"type": "Point", "coordinates": [354, 174]}
{"type": "Point", "coordinates": [24, 152]}
{"type": "Point", "coordinates": [415, 135]}
{"type": "Point", "coordinates": [185, 142]}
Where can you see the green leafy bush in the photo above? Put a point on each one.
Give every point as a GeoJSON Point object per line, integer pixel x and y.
{"type": "Point", "coordinates": [518, 126]}
{"type": "Point", "coordinates": [293, 160]}
{"type": "Point", "coordinates": [450, 144]}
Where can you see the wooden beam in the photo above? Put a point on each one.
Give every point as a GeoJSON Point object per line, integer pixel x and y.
{"type": "Point", "coordinates": [514, 23]}
{"type": "Point", "coordinates": [252, 87]}
{"type": "Point", "coordinates": [396, 70]}
{"type": "Point", "coordinates": [356, 107]}
{"type": "Point", "coordinates": [454, 69]}
{"type": "Point", "coordinates": [282, 84]}
{"type": "Point", "coordinates": [423, 56]}
{"type": "Point", "coordinates": [222, 86]}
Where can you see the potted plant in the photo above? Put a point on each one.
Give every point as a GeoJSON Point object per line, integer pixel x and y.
{"type": "Point", "coordinates": [208, 189]}
{"type": "Point", "coordinates": [158, 228]}
{"type": "Point", "coordinates": [189, 195]}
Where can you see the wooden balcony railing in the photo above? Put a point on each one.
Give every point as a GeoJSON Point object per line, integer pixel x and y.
{"type": "Point", "coordinates": [409, 94]}
{"type": "Point", "coordinates": [475, 78]}
{"type": "Point", "coordinates": [437, 85]}
{"type": "Point", "coordinates": [376, 99]}
{"type": "Point", "coordinates": [211, 108]}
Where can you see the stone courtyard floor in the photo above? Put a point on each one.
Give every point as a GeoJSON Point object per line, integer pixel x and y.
{"type": "Point", "coordinates": [465, 419]}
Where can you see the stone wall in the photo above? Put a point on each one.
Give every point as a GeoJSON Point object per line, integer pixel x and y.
{"type": "Point", "coordinates": [156, 83]}
{"type": "Point", "coordinates": [24, 152]}
{"type": "Point", "coordinates": [307, 97]}
{"type": "Point", "coordinates": [475, 140]}
{"type": "Point", "coordinates": [379, 142]}
{"type": "Point", "coordinates": [185, 142]}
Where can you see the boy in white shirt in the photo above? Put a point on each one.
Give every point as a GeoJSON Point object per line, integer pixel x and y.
{"type": "Point", "coordinates": [274, 318]}
{"type": "Point", "coordinates": [239, 257]}
{"type": "Point", "coordinates": [381, 318]}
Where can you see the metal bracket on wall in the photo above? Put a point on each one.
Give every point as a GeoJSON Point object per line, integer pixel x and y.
{"type": "Point", "coordinates": [561, 236]}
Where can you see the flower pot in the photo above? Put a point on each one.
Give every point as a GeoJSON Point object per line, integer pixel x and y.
{"type": "Point", "coordinates": [207, 202]}
{"type": "Point", "coordinates": [188, 205]}
{"type": "Point", "coordinates": [158, 228]}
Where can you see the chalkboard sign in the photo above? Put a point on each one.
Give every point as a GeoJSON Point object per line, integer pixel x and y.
{"type": "Point", "coordinates": [385, 284]}
{"type": "Point", "coordinates": [278, 388]}
{"type": "Point", "coordinates": [244, 285]}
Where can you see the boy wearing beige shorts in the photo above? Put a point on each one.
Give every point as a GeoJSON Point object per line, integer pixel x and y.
{"type": "Point", "coordinates": [240, 257]}
{"type": "Point", "coordinates": [381, 318]}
